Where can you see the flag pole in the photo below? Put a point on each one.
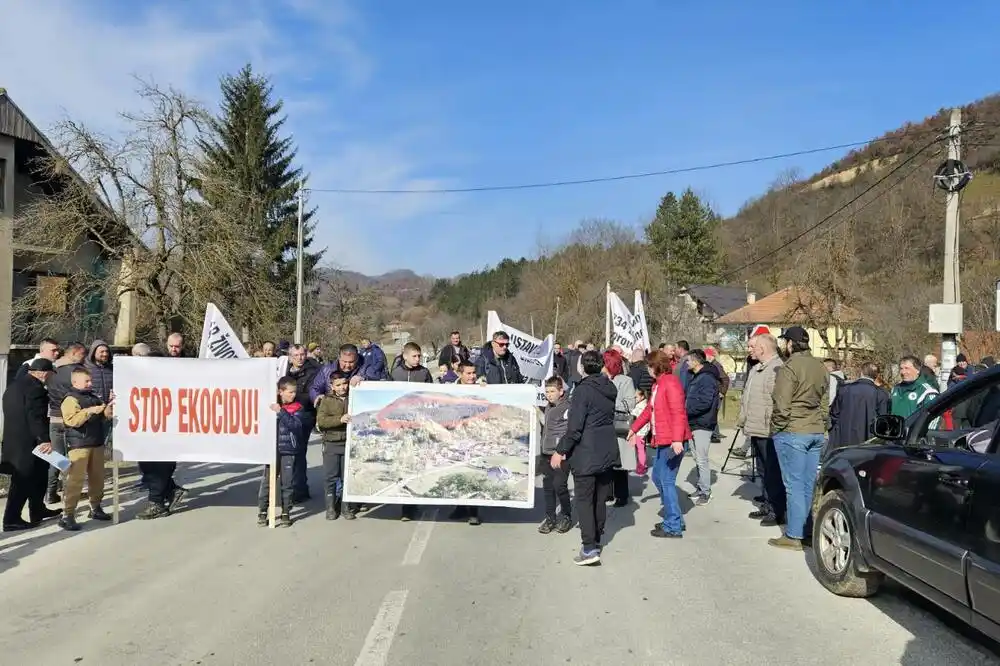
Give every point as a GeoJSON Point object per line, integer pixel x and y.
{"type": "Point", "coordinates": [607, 315]}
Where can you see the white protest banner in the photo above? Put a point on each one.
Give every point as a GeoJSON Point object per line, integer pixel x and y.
{"type": "Point", "coordinates": [639, 315]}
{"type": "Point", "coordinates": [534, 356]}
{"type": "Point", "coordinates": [219, 341]}
{"type": "Point", "coordinates": [194, 410]}
{"type": "Point", "coordinates": [623, 329]}
{"type": "Point", "coordinates": [217, 337]}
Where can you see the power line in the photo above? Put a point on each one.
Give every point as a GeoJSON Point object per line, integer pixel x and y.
{"type": "Point", "coordinates": [631, 176]}
{"type": "Point", "coordinates": [842, 208]}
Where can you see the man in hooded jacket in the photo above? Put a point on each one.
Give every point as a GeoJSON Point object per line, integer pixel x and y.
{"type": "Point", "coordinates": [59, 385]}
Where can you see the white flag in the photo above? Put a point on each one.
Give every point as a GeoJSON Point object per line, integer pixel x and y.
{"type": "Point", "coordinates": [624, 333]}
{"type": "Point", "coordinates": [534, 357]}
{"type": "Point", "coordinates": [639, 313]}
{"type": "Point", "coordinates": [219, 341]}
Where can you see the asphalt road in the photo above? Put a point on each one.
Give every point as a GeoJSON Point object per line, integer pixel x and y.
{"type": "Point", "coordinates": [207, 586]}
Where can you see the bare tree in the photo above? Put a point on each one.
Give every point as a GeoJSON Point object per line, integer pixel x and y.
{"type": "Point", "coordinates": [135, 197]}
{"type": "Point", "coordinates": [339, 311]}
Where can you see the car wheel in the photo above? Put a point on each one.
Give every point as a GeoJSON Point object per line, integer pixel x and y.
{"type": "Point", "coordinates": [835, 546]}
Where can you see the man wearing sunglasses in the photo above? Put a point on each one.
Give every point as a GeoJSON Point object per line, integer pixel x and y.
{"type": "Point", "coordinates": [496, 365]}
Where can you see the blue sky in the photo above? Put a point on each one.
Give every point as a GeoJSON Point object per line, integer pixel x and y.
{"type": "Point", "coordinates": [394, 94]}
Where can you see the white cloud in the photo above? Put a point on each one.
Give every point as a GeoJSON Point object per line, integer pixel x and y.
{"type": "Point", "coordinates": [79, 59]}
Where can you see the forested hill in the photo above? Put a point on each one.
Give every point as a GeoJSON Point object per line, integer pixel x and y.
{"type": "Point", "coordinates": [879, 252]}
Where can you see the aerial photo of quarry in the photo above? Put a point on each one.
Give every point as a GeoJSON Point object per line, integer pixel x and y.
{"type": "Point", "coordinates": [436, 445]}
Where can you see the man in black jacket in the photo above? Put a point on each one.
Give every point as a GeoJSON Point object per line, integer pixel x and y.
{"type": "Point", "coordinates": [303, 370]}
{"type": "Point", "coordinates": [701, 401]}
{"type": "Point", "coordinates": [559, 366]}
{"type": "Point", "coordinates": [590, 446]}
{"type": "Point", "coordinates": [855, 407]}
{"type": "Point", "coordinates": [26, 425]}
{"type": "Point", "coordinates": [496, 365]}
{"type": "Point", "coordinates": [452, 349]}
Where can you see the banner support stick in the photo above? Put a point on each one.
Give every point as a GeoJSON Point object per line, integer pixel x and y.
{"type": "Point", "coordinates": [607, 315]}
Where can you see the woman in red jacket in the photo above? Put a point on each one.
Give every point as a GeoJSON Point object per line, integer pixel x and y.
{"type": "Point", "coordinates": [668, 431]}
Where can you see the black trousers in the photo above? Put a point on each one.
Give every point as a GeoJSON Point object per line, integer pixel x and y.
{"type": "Point", "coordinates": [160, 479]}
{"type": "Point", "coordinates": [27, 489]}
{"type": "Point", "coordinates": [591, 491]}
{"type": "Point", "coordinates": [300, 471]}
{"type": "Point", "coordinates": [619, 482]}
{"type": "Point", "coordinates": [286, 485]}
{"type": "Point", "coordinates": [555, 487]}
{"type": "Point", "coordinates": [770, 474]}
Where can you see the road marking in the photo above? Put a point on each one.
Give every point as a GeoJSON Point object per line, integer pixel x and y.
{"type": "Point", "coordinates": [418, 544]}
{"type": "Point", "coordinates": [375, 651]}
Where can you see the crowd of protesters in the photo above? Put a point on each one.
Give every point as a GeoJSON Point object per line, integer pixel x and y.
{"type": "Point", "coordinates": [611, 415]}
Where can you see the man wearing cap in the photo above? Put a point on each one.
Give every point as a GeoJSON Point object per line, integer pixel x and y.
{"type": "Point", "coordinates": [26, 425]}
{"type": "Point", "coordinates": [798, 429]}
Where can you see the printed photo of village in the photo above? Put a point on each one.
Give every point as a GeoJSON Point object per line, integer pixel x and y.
{"type": "Point", "coordinates": [442, 444]}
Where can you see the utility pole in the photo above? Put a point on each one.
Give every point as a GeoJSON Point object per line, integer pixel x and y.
{"type": "Point", "coordinates": [946, 317]}
{"type": "Point", "coordinates": [555, 332]}
{"type": "Point", "coordinates": [300, 271]}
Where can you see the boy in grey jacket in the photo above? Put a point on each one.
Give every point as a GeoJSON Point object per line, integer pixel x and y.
{"type": "Point", "coordinates": [555, 482]}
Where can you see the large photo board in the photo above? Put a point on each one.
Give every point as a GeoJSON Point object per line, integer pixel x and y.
{"type": "Point", "coordinates": [442, 444]}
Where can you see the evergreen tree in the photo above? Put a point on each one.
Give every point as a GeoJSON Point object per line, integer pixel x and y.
{"type": "Point", "coordinates": [245, 142]}
{"type": "Point", "coordinates": [684, 239]}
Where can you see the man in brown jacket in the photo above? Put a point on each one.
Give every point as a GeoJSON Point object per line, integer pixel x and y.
{"type": "Point", "coordinates": [798, 428]}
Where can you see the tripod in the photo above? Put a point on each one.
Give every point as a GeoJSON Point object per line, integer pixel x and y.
{"type": "Point", "coordinates": [753, 458]}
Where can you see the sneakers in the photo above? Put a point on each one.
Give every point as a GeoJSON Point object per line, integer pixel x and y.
{"type": "Point", "coordinates": [153, 510]}
{"type": "Point", "coordinates": [759, 514]}
{"type": "Point", "coordinates": [176, 498]}
{"type": "Point", "coordinates": [69, 524]}
{"type": "Point", "coordinates": [661, 533]}
{"type": "Point", "coordinates": [350, 514]}
{"type": "Point", "coordinates": [587, 558]}
{"type": "Point", "coordinates": [702, 500]}
{"type": "Point", "coordinates": [97, 513]}
{"type": "Point", "coordinates": [285, 520]}
{"type": "Point", "coordinates": [771, 521]}
{"type": "Point", "coordinates": [740, 453]}
{"type": "Point", "coordinates": [546, 526]}
{"type": "Point", "coordinates": [52, 498]}
{"type": "Point", "coordinates": [564, 524]}
{"type": "Point", "coordinates": [262, 519]}
{"type": "Point", "coordinates": [786, 543]}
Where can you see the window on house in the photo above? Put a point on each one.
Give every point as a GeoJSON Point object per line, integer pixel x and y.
{"type": "Point", "coordinates": [3, 184]}
{"type": "Point", "coordinates": [51, 294]}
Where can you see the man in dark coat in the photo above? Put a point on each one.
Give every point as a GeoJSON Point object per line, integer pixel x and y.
{"type": "Point", "coordinates": [560, 368]}
{"type": "Point", "coordinates": [855, 408]}
{"type": "Point", "coordinates": [452, 349]}
{"type": "Point", "coordinates": [26, 425]}
{"type": "Point", "coordinates": [304, 370]}
{"type": "Point", "coordinates": [496, 365]}
{"type": "Point", "coordinates": [590, 446]}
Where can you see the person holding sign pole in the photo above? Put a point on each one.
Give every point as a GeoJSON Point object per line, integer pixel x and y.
{"type": "Point", "coordinates": [291, 437]}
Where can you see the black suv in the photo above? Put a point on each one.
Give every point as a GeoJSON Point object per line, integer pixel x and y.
{"type": "Point", "coordinates": [919, 503]}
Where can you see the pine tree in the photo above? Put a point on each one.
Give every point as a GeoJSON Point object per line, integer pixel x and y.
{"type": "Point", "coordinates": [684, 239]}
{"type": "Point", "coordinates": [245, 143]}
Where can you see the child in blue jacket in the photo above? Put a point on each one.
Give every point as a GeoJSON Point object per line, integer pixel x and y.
{"type": "Point", "coordinates": [291, 439]}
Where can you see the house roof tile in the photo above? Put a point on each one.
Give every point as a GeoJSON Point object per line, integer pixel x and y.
{"type": "Point", "coordinates": [791, 305]}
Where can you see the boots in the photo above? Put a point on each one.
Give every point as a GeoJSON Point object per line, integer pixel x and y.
{"type": "Point", "coordinates": [332, 507]}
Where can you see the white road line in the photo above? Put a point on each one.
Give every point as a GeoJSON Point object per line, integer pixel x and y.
{"type": "Point", "coordinates": [375, 651]}
{"type": "Point", "coordinates": [418, 544]}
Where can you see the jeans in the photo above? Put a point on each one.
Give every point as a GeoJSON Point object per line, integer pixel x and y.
{"type": "Point", "coordinates": [665, 467]}
{"type": "Point", "coordinates": [300, 467]}
{"type": "Point", "coordinates": [591, 491]}
{"type": "Point", "coordinates": [286, 479]}
{"type": "Point", "coordinates": [555, 487]}
{"type": "Point", "coordinates": [770, 475]}
{"type": "Point", "coordinates": [57, 435]}
{"type": "Point", "coordinates": [798, 455]}
{"type": "Point", "coordinates": [702, 442]}
{"type": "Point", "coordinates": [333, 472]}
